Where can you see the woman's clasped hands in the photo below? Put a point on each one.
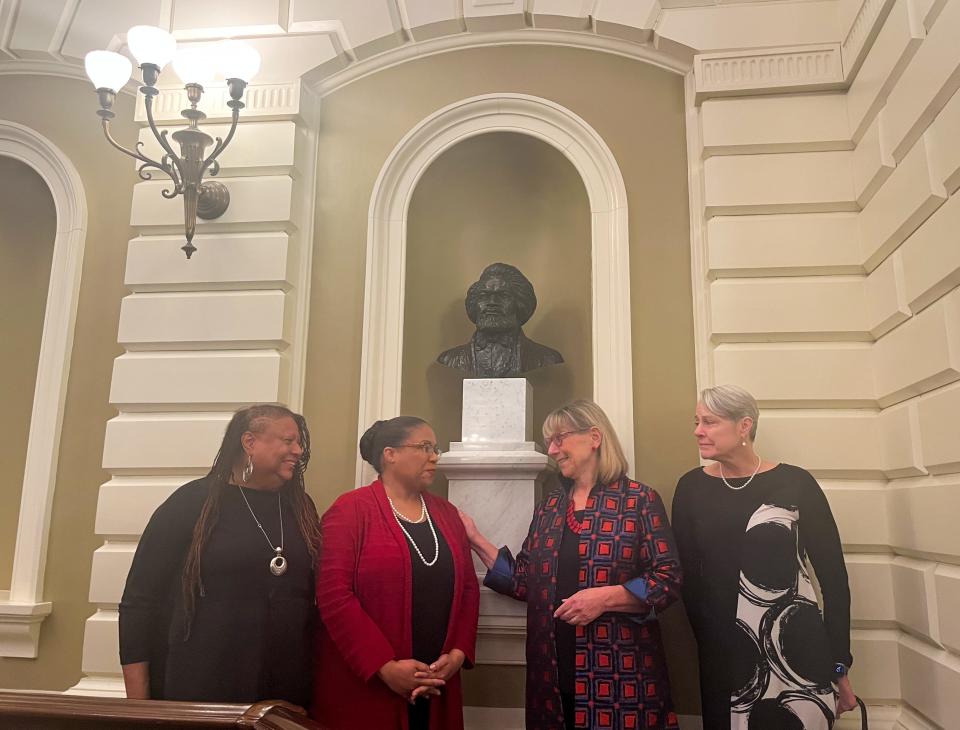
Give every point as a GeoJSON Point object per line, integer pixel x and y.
{"type": "Point", "coordinates": [411, 679]}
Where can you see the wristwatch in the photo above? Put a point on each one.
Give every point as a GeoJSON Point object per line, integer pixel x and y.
{"type": "Point", "coordinates": [840, 670]}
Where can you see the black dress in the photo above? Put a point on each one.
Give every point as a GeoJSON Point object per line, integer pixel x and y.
{"type": "Point", "coordinates": [766, 651]}
{"type": "Point", "coordinates": [432, 598]}
{"type": "Point", "coordinates": [250, 637]}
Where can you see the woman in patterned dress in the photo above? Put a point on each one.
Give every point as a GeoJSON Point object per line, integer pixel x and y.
{"type": "Point", "coordinates": [596, 567]}
{"type": "Point", "coordinates": [744, 527]}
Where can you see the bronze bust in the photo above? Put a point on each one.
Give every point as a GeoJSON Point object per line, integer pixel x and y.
{"type": "Point", "coordinates": [499, 304]}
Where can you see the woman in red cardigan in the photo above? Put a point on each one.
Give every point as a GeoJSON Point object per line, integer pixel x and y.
{"type": "Point", "coordinates": [397, 594]}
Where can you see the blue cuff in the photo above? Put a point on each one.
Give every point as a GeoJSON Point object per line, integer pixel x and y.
{"type": "Point", "coordinates": [500, 576]}
{"type": "Point", "coordinates": [639, 588]}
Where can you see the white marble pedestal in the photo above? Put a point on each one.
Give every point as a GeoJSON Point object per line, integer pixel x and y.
{"type": "Point", "coordinates": [493, 476]}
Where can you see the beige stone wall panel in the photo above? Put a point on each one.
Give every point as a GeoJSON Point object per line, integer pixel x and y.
{"type": "Point", "coordinates": [798, 123]}
{"type": "Point", "coordinates": [215, 380]}
{"type": "Point", "coordinates": [799, 375]}
{"type": "Point", "coordinates": [203, 320]}
{"type": "Point", "coordinates": [779, 183]}
{"type": "Point", "coordinates": [944, 141]}
{"type": "Point", "coordinates": [939, 435]}
{"type": "Point", "coordinates": [152, 443]}
{"type": "Point", "coordinates": [871, 591]}
{"type": "Point", "coordinates": [784, 245]}
{"type": "Point", "coordinates": [896, 43]}
{"type": "Point", "coordinates": [947, 582]}
{"type": "Point", "coordinates": [927, 84]}
{"type": "Point", "coordinates": [875, 674]}
{"type": "Point", "coordinates": [924, 517]}
{"type": "Point", "coordinates": [930, 681]}
{"type": "Point", "coordinates": [906, 199]}
{"type": "Point", "coordinates": [257, 148]}
{"type": "Point", "coordinates": [111, 563]}
{"type": "Point", "coordinates": [262, 201]}
{"type": "Point", "coordinates": [900, 434]}
{"type": "Point", "coordinates": [860, 510]}
{"type": "Point", "coordinates": [918, 356]}
{"type": "Point", "coordinates": [223, 261]}
{"type": "Point", "coordinates": [818, 308]}
{"type": "Point", "coordinates": [840, 444]}
{"type": "Point", "coordinates": [101, 644]}
{"type": "Point", "coordinates": [127, 502]}
{"type": "Point", "coordinates": [872, 164]}
{"type": "Point", "coordinates": [886, 300]}
{"type": "Point", "coordinates": [931, 257]}
{"type": "Point", "coordinates": [915, 597]}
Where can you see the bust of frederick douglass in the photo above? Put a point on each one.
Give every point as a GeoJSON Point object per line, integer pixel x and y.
{"type": "Point", "coordinates": [499, 303]}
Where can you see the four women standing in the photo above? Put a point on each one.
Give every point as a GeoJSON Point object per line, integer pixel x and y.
{"type": "Point", "coordinates": [398, 597]}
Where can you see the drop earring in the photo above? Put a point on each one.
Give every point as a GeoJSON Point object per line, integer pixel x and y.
{"type": "Point", "coordinates": [247, 470]}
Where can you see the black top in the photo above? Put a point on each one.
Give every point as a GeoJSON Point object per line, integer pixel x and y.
{"type": "Point", "coordinates": [432, 592]}
{"type": "Point", "coordinates": [748, 594]}
{"type": "Point", "coordinates": [251, 634]}
{"type": "Point", "coordinates": [568, 583]}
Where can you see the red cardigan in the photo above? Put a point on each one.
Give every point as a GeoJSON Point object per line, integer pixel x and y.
{"type": "Point", "coordinates": [364, 594]}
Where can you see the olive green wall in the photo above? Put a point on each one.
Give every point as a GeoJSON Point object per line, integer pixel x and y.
{"type": "Point", "coordinates": [638, 110]}
{"type": "Point", "coordinates": [496, 197]}
{"type": "Point", "coordinates": [27, 230]}
{"type": "Point", "coordinates": [63, 111]}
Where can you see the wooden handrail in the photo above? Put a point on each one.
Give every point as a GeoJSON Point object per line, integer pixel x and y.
{"type": "Point", "coordinates": [47, 711]}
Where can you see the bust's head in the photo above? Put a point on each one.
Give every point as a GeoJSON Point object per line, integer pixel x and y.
{"type": "Point", "coordinates": [501, 300]}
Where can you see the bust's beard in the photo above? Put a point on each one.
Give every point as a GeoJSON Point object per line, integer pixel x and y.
{"type": "Point", "coordinates": [497, 323]}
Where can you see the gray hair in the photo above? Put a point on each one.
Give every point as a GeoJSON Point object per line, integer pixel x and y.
{"type": "Point", "coordinates": [733, 403]}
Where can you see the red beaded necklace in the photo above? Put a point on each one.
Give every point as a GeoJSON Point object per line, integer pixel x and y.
{"type": "Point", "coordinates": [572, 523]}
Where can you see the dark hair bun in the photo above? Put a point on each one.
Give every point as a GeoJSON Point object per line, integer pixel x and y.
{"type": "Point", "coordinates": [368, 450]}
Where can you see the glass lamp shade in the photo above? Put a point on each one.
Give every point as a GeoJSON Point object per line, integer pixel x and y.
{"type": "Point", "coordinates": [108, 70]}
{"type": "Point", "coordinates": [150, 44]}
{"type": "Point", "coordinates": [195, 65]}
{"type": "Point", "coordinates": [238, 60]}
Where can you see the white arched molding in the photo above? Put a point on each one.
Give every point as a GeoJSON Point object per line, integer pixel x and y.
{"type": "Point", "coordinates": [382, 357]}
{"type": "Point", "coordinates": [22, 608]}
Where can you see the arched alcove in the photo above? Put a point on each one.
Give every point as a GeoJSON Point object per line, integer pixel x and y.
{"type": "Point", "coordinates": [23, 609]}
{"type": "Point", "coordinates": [384, 287]}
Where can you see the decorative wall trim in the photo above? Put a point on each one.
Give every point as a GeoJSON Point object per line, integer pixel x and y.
{"type": "Point", "coordinates": [672, 56]}
{"type": "Point", "coordinates": [23, 609]}
{"type": "Point", "coordinates": [863, 31]}
{"type": "Point", "coordinates": [382, 357]}
{"type": "Point", "coordinates": [768, 70]}
{"type": "Point", "coordinates": [262, 101]}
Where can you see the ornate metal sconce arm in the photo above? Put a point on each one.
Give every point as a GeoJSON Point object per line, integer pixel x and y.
{"type": "Point", "coordinates": [163, 165]}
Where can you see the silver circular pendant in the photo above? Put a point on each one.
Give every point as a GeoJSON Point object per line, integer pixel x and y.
{"type": "Point", "coordinates": [278, 566]}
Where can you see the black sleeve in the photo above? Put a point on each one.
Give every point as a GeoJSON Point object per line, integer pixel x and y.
{"type": "Point", "coordinates": [685, 536]}
{"type": "Point", "coordinates": [821, 540]}
{"type": "Point", "coordinates": [148, 595]}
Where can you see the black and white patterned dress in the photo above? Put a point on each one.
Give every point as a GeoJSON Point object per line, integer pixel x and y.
{"type": "Point", "coordinates": [766, 651]}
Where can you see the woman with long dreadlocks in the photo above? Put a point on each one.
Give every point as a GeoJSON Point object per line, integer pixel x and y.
{"type": "Point", "coordinates": [219, 601]}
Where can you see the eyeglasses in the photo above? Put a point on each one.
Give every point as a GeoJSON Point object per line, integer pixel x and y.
{"type": "Point", "coordinates": [557, 438]}
{"type": "Point", "coordinates": [426, 447]}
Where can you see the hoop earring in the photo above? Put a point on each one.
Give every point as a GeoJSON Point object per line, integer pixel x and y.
{"type": "Point", "coordinates": [247, 470]}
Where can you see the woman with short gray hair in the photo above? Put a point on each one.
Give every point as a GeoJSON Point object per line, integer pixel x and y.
{"type": "Point", "coordinates": [744, 527]}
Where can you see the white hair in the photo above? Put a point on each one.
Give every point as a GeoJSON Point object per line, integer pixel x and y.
{"type": "Point", "coordinates": [733, 403]}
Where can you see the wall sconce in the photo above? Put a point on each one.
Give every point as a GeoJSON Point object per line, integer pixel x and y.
{"type": "Point", "coordinates": [154, 48]}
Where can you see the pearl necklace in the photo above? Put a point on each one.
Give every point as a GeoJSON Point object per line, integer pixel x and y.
{"type": "Point", "coordinates": [423, 514]}
{"type": "Point", "coordinates": [759, 461]}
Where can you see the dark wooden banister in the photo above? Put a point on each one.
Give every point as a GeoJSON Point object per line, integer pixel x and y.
{"type": "Point", "coordinates": [47, 711]}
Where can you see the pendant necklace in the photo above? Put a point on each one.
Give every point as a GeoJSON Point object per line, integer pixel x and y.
{"type": "Point", "coordinates": [278, 565]}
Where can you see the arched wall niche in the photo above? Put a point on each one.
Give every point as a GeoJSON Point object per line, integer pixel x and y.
{"type": "Point", "coordinates": [382, 347]}
{"type": "Point", "coordinates": [497, 196]}
{"type": "Point", "coordinates": [22, 608]}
